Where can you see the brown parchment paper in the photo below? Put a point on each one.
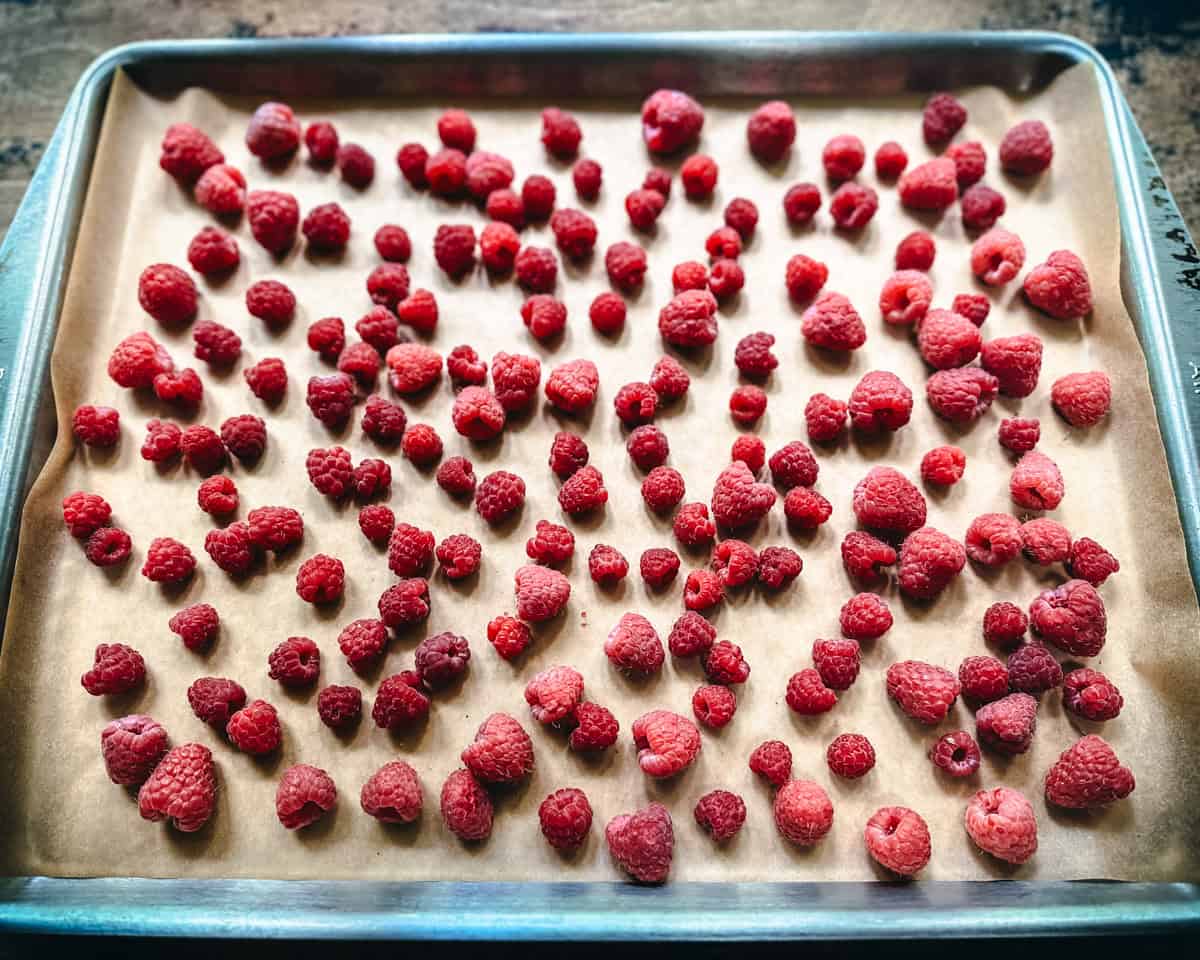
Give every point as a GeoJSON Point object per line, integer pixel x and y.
{"type": "Point", "coordinates": [62, 816]}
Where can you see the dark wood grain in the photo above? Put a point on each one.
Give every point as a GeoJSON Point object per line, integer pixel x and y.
{"type": "Point", "coordinates": [46, 44]}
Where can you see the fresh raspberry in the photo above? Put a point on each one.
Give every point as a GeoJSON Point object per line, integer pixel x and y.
{"type": "Point", "coordinates": [993, 539]}
{"type": "Point", "coordinates": [327, 337]}
{"type": "Point", "coordinates": [384, 421]}
{"type": "Point", "coordinates": [983, 679]}
{"type": "Point", "coordinates": [852, 205]}
{"type": "Point", "coordinates": [689, 319]}
{"type": "Point", "coordinates": [187, 152]}
{"type": "Point", "coordinates": [582, 492]}
{"type": "Point", "coordinates": [330, 471]}
{"type": "Point", "coordinates": [770, 131]}
{"type": "Point", "coordinates": [943, 466]}
{"type": "Point", "coordinates": [1019, 434]}
{"type": "Point", "coordinates": [832, 322]}
{"type": "Point", "coordinates": [970, 162]}
{"type": "Point", "coordinates": [571, 387]}
{"type": "Point", "coordinates": [699, 176]}
{"type": "Point", "coordinates": [459, 556]}
{"type": "Point", "coordinates": [108, 546]}
{"type": "Point", "coordinates": [221, 189]}
{"type": "Point", "coordinates": [421, 444]}
{"type": "Point", "coordinates": [929, 561]}
{"type": "Point", "coordinates": [633, 645]}
{"type": "Point", "coordinates": [541, 593]}
{"type": "Point", "coordinates": [508, 636]}
{"type": "Point", "coordinates": [865, 616]}
{"type": "Point", "coordinates": [942, 118]}
{"type": "Point", "coordinates": [418, 310]}
{"type": "Point", "coordinates": [606, 565]}
{"type": "Point", "coordinates": [974, 306]}
{"type": "Point", "coordinates": [321, 139]}
{"type": "Point", "coordinates": [360, 361]}
{"type": "Point", "coordinates": [753, 356]}
{"type": "Point", "coordinates": [837, 661]}
{"type": "Point", "coordinates": [658, 567]}
{"type": "Point", "coordinates": [454, 249]}
{"type": "Point", "coordinates": [574, 232]}
{"type": "Point", "coordinates": [231, 548]}
{"type": "Point", "coordinates": [1026, 148]}
{"type": "Point", "coordinates": [412, 367]}
{"type": "Point", "coordinates": [339, 706]}
{"type": "Point", "coordinates": [863, 555]}
{"type": "Point", "coordinates": [1004, 624]}
{"type": "Point", "coordinates": [724, 664]}
{"type": "Point", "coordinates": [1082, 399]}
{"type": "Point", "coordinates": [947, 340]}
{"type": "Point", "coordinates": [671, 120]}
{"type": "Point", "coordinates": [487, 172]}
{"type": "Point", "coordinates": [607, 314]}
{"type": "Point", "coordinates": [363, 642]}
{"type": "Point", "coordinates": [137, 360]}
{"type": "Point", "coordinates": [255, 729]}
{"type": "Point", "coordinates": [545, 317]}
{"type": "Point", "coordinates": [850, 755]}
{"type": "Point", "coordinates": [404, 603]}
{"type": "Point", "coordinates": [747, 404]}
{"type": "Point", "coordinates": [537, 271]}
{"type": "Point", "coordinates": [356, 165]}
{"type": "Point", "coordinates": [392, 243]}
{"type": "Point", "coordinates": [387, 285]}
{"type": "Point", "coordinates": [182, 789]}
{"type": "Point", "coordinates": [553, 694]}
{"type": "Point", "coordinates": [331, 398]}
{"type": "Point", "coordinates": [666, 742]}
{"type": "Point", "coordinates": [890, 160]}
{"type": "Point", "coordinates": [410, 550]}
{"type": "Point", "coordinates": [644, 208]}
{"type": "Point", "coordinates": [702, 590]}
{"type": "Point", "coordinates": [1032, 669]}
{"type": "Point", "coordinates": [1091, 562]}
{"type": "Point", "coordinates": [1007, 725]}
{"type": "Point", "coordinates": [772, 760]}
{"type": "Point", "coordinates": [168, 561]}
{"type": "Point", "coordinates": [398, 704]}
{"type": "Point", "coordinates": [961, 394]}
{"type": "Point", "coordinates": [750, 450]}
{"type": "Point", "coordinates": [274, 218]}
{"type": "Point", "coordinates": [658, 179]}
{"type": "Point", "coordinates": [1091, 695]}
{"type": "Point", "coordinates": [304, 795]}
{"type": "Point", "coordinates": [457, 477]}
{"type": "Point", "coordinates": [96, 426]}
{"type": "Point", "coordinates": [1088, 775]}
{"type": "Point", "coordinates": [1045, 541]}
{"type": "Point", "coordinates": [326, 227]}
{"type": "Point", "coordinates": [642, 843]}
{"type": "Point", "coordinates": [898, 839]}
{"type": "Point", "coordinates": [738, 499]}
{"type": "Point", "coordinates": [442, 659]}
{"type": "Point", "coordinates": [997, 257]}
{"type": "Point", "coordinates": [245, 436]}
{"type": "Point", "coordinates": [196, 625]}
{"type": "Point", "coordinates": [957, 753]}
{"type": "Point", "coordinates": [501, 752]}
{"type": "Point", "coordinates": [662, 489]}
{"type": "Point", "coordinates": [735, 562]}
{"type": "Point", "coordinates": [647, 447]}
{"type": "Point", "coordinates": [1060, 286]}
{"type": "Point", "coordinates": [843, 157]}
{"type": "Point", "coordinates": [296, 662]}
{"type": "Point", "coordinates": [741, 215]}
{"type": "Point", "coordinates": [455, 129]}
{"type": "Point", "coordinates": [180, 387]}
{"type": "Point", "coordinates": [446, 173]}
{"type": "Point", "coordinates": [726, 279]}
{"type": "Point", "coordinates": [805, 508]}
{"type": "Point", "coordinates": [568, 453]}
{"type": "Point", "coordinates": [85, 513]}
{"type": "Point", "coordinates": [669, 380]}
{"type": "Point", "coordinates": [691, 635]}
{"type": "Point", "coordinates": [887, 500]}
{"type": "Point", "coordinates": [803, 812]}
{"type": "Point", "coordinates": [565, 817]}
{"type": "Point", "coordinates": [923, 691]}
{"type": "Point", "coordinates": [793, 465]}
{"type": "Point", "coordinates": [393, 794]}
{"type": "Point", "coordinates": [1002, 823]}
{"type": "Point", "coordinates": [561, 136]}
{"type": "Point", "coordinates": [587, 176]}
{"type": "Point", "coordinates": [714, 706]}
{"type": "Point", "coordinates": [801, 202]}
{"type": "Point", "coordinates": [808, 695]}
{"type": "Point", "coordinates": [825, 417]}
{"type": "Point", "coordinates": [625, 264]}
{"type": "Point", "coordinates": [213, 252]}
{"type": "Point", "coordinates": [477, 414]}
{"type": "Point", "coordinates": [273, 131]}
{"type": "Point", "coordinates": [692, 526]}
{"type": "Point", "coordinates": [981, 207]}
{"type": "Point", "coordinates": [905, 297]}
{"type": "Point", "coordinates": [274, 303]}
{"type": "Point", "coordinates": [720, 812]}
{"type": "Point", "coordinates": [1036, 483]}
{"type": "Point", "coordinates": [162, 441]}
{"type": "Point", "coordinates": [115, 669]}
{"type": "Point", "coordinates": [217, 495]}
{"type": "Point", "coordinates": [276, 528]}
{"type": "Point", "coordinates": [538, 196]}
{"type": "Point", "coordinates": [215, 344]}
{"type": "Point", "coordinates": [214, 700]}
{"type": "Point", "coordinates": [465, 367]}
{"type": "Point", "coordinates": [466, 807]}
{"type": "Point", "coordinates": [597, 728]}
{"type": "Point", "coordinates": [515, 379]}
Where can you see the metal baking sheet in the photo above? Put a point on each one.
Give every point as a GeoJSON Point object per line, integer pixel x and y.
{"type": "Point", "coordinates": [1159, 263]}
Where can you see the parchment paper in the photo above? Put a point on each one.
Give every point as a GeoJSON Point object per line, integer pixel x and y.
{"type": "Point", "coordinates": [62, 816]}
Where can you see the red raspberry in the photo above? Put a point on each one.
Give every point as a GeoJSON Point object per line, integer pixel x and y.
{"type": "Point", "coordinates": [541, 593]}
{"type": "Point", "coordinates": [273, 131]}
{"type": "Point", "coordinates": [803, 812]}
{"type": "Point", "coordinates": [545, 317]}
{"type": "Point", "coordinates": [1007, 725]}
{"type": "Point", "coordinates": [923, 691]}
{"type": "Point", "coordinates": [659, 566]}
{"type": "Point", "coordinates": [1060, 286]}
{"type": "Point", "coordinates": [865, 616]}
{"type": "Point", "coordinates": [1036, 483]}
{"type": "Point", "coordinates": [328, 337]}
{"type": "Point", "coordinates": [726, 279]}
{"type": "Point", "coordinates": [363, 643]}
{"type": "Point", "coordinates": [735, 562]}
{"type": "Point", "coordinates": [168, 561]}
{"type": "Point", "coordinates": [597, 729]}
{"type": "Point", "coordinates": [699, 176]}
{"type": "Point", "coordinates": [778, 567]}
{"type": "Point", "coordinates": [671, 120]}
{"type": "Point", "coordinates": [295, 662]}
{"type": "Point", "coordinates": [187, 152]}
{"type": "Point", "coordinates": [801, 203]}
{"type": "Point", "coordinates": [738, 499]}
{"type": "Point", "coordinates": [331, 398]}
{"type": "Point", "coordinates": [1026, 148]}
{"type": "Point", "coordinates": [214, 700]}
{"type": "Point", "coordinates": [554, 694]}
{"type": "Point", "coordinates": [993, 539]}
{"type": "Point", "coordinates": [498, 247]}
{"type": "Point", "coordinates": [644, 208]}
{"type": "Point", "coordinates": [137, 360]}
{"type": "Point", "coordinates": [772, 760]}
{"type": "Point", "coordinates": [692, 527]}
{"type": "Point", "coordinates": [85, 513]}
{"type": "Point", "coordinates": [466, 807]}
{"type": "Point", "coordinates": [633, 645]}
{"type": "Point", "coordinates": [659, 180]}
{"type": "Point", "coordinates": [221, 189]}
{"type": "Point", "coordinates": [96, 426]}
{"type": "Point", "coordinates": [446, 172]}
{"type": "Point", "coordinates": [384, 421]}
{"type": "Point", "coordinates": [216, 344]}
{"type": "Point", "coordinates": [607, 314]}
{"type": "Point", "coordinates": [753, 356]}
{"type": "Point", "coordinates": [837, 662]}
{"type": "Point", "coordinates": [691, 635]}
{"type": "Point", "coordinates": [943, 466]}
{"type": "Point", "coordinates": [970, 163]}
{"type": "Point", "coordinates": [1002, 823]}
{"type": "Point", "coordinates": [1088, 775]}
{"type": "Point", "coordinates": [1019, 434]}
{"type": "Point", "coordinates": [647, 447]}
{"type": "Point", "coordinates": [501, 752]}
{"type": "Point", "coordinates": [442, 659]}
{"type": "Point", "coordinates": [1045, 541]}
{"type": "Point", "coordinates": [275, 528]}
{"type": "Point", "coordinates": [750, 450]}
{"type": "Point", "coordinates": [689, 320]}
{"type": "Point", "coordinates": [387, 285]}
{"type": "Point", "coordinates": [108, 546]}
{"type": "Point", "coordinates": [1091, 695]}
{"type": "Point", "coordinates": [182, 789]}
{"type": "Point", "coordinates": [245, 436]}
{"type": "Point", "coordinates": [477, 414]}
{"type": "Point", "coordinates": [721, 813]}
{"type": "Point", "coordinates": [932, 185]}
{"type": "Point", "coordinates": [887, 500]}
{"type": "Point", "coordinates": [725, 665]}
{"type": "Point", "coordinates": [274, 304]}
{"type": "Point", "coordinates": [916, 251]}
{"type": "Point", "coordinates": [850, 755]}
{"type": "Point", "coordinates": [568, 453]}
{"type": "Point", "coordinates": [983, 679]}
{"type": "Point", "coordinates": [508, 636]}
{"type": "Point", "coordinates": [181, 387]}
{"type": "Point", "coordinates": [255, 729]}
{"type": "Point", "coordinates": [863, 555]}
{"type": "Point", "coordinates": [404, 603]}
{"type": "Point", "coordinates": [326, 227]}
{"type": "Point", "coordinates": [305, 794]}
{"type": "Point", "coordinates": [770, 131]}
{"type": "Point", "coordinates": [330, 471]}
{"type": "Point", "coordinates": [457, 477]}
{"type": "Point", "coordinates": [393, 244]}
{"type": "Point", "coordinates": [574, 232]}
{"type": "Point", "coordinates": [747, 404]}
{"type": "Point", "coordinates": [793, 465]}
{"type": "Point", "coordinates": [635, 403]}
{"type": "Point", "coordinates": [852, 205]}
{"type": "Point", "coordinates": [642, 843]}
{"type": "Point", "coordinates": [231, 548]}
{"type": "Point", "coordinates": [560, 137]}
{"type": "Point", "coordinates": [974, 306]}
{"type": "Point", "coordinates": [587, 176]}
{"type": "Point", "coordinates": [929, 561]}
{"type": "Point", "coordinates": [890, 160]}
{"type": "Point", "coordinates": [606, 565]}
{"type": "Point", "coordinates": [947, 340]}
{"type": "Point", "coordinates": [465, 367]}
{"type": "Point", "coordinates": [582, 492]}
{"type": "Point", "coordinates": [808, 695]}
{"type": "Point", "coordinates": [162, 441]}
{"type": "Point", "coordinates": [1004, 624]}
{"type": "Point", "coordinates": [805, 508]}
{"type": "Point", "coordinates": [625, 264]}
{"type": "Point", "coordinates": [843, 157]}
{"type": "Point", "coordinates": [515, 379]}
{"type": "Point", "coordinates": [410, 550]}
{"type": "Point", "coordinates": [832, 322]}
{"type": "Point", "coordinates": [487, 172]}
{"type": "Point", "coordinates": [538, 196]}
{"type": "Point", "coordinates": [274, 218]}
{"type": "Point", "coordinates": [456, 130]}
{"type": "Point", "coordinates": [942, 118]}
{"type": "Point", "coordinates": [961, 394]}
{"type": "Point", "coordinates": [551, 544]}
{"type": "Point", "coordinates": [361, 361]}
{"type": "Point", "coordinates": [421, 444]}
{"type": "Point", "coordinates": [393, 794]}
{"type": "Point", "coordinates": [321, 138]}
{"type": "Point", "coordinates": [565, 817]}
{"type": "Point", "coordinates": [398, 703]}
{"type": "Point", "coordinates": [459, 556]}
{"type": "Point", "coordinates": [702, 590]}
{"type": "Point", "coordinates": [1091, 562]}
{"type": "Point", "coordinates": [669, 380]}
{"type": "Point", "coordinates": [741, 215]}
{"type": "Point", "coordinates": [213, 252]}
{"type": "Point", "coordinates": [115, 669]}
{"type": "Point", "coordinates": [537, 271]}
{"type": "Point", "coordinates": [957, 753]}
{"type": "Point", "coordinates": [666, 742]}
{"type": "Point", "coordinates": [454, 249]}
{"type": "Point", "coordinates": [997, 257]}
{"type": "Point", "coordinates": [905, 297]}
{"type": "Point", "coordinates": [217, 495]}
{"type": "Point", "coordinates": [982, 207]}
{"type": "Point", "coordinates": [825, 417]}
{"type": "Point", "coordinates": [1032, 669]}
{"type": "Point", "coordinates": [1082, 399]}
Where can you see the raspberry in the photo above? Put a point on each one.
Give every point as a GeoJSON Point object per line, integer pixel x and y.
{"type": "Point", "coordinates": [808, 695]}
{"type": "Point", "coordinates": [255, 729]}
{"type": "Point", "coordinates": [331, 398]}
{"type": "Point", "coordinates": [1036, 483]}
{"type": "Point", "coordinates": [541, 593]}
{"type": "Point", "coordinates": [1002, 823]}
{"type": "Point", "coordinates": [168, 561]}
{"type": "Point", "coordinates": [863, 555]}
{"type": "Point", "coordinates": [421, 444]}
{"type": "Point", "coordinates": [714, 706]}
{"type": "Point", "coordinates": [137, 360]}
{"type": "Point", "coordinates": [214, 700]}
{"type": "Point", "coordinates": [196, 625]}
{"type": "Point", "coordinates": [361, 361]}
{"type": "Point", "coordinates": [404, 603]}
{"type": "Point", "coordinates": [392, 243]}
{"type": "Point", "coordinates": [960, 394]}
{"type": "Point", "coordinates": [245, 436]}
{"type": "Point", "coordinates": [843, 157]}
{"type": "Point", "coordinates": [699, 176]}
{"type": "Point", "coordinates": [865, 616]}
{"type": "Point", "coordinates": [231, 548]}
{"type": "Point", "coordinates": [666, 742]}
{"type": "Point", "coordinates": [446, 173]}
{"type": "Point", "coordinates": [582, 492]}
{"type": "Point", "coordinates": [1045, 541]}
{"type": "Point", "coordinates": [387, 284]}
{"type": "Point", "coordinates": [574, 232]}
{"type": "Point", "coordinates": [187, 152]}
{"type": "Point", "coordinates": [1091, 562]}
{"type": "Point", "coordinates": [741, 215]}
{"type": "Point", "coordinates": [898, 839]}
{"type": "Point", "coordinates": [560, 137]}
{"type": "Point", "coordinates": [753, 356]}
{"type": "Point", "coordinates": [750, 450]}
{"type": "Point", "coordinates": [538, 196]}
{"type": "Point", "coordinates": [537, 271]}
{"type": "Point", "coordinates": [108, 546]}
{"type": "Point", "coordinates": [805, 508]}
{"type": "Point", "coordinates": [571, 387]}
{"type": "Point", "coordinates": [465, 367]}
{"type": "Point", "coordinates": [1016, 363]}
{"type": "Point", "coordinates": [993, 539]}
{"type": "Point", "coordinates": [275, 528]}
{"type": "Point", "coordinates": [410, 550]}
{"type": "Point", "coordinates": [1082, 399]}
{"type": "Point", "coordinates": [625, 264]}
{"type": "Point", "coordinates": [691, 635]}
{"type": "Point", "coordinates": [692, 527]}
{"type": "Point", "coordinates": [929, 561]}
{"type": "Point", "coordinates": [418, 310]}
{"type": "Point", "coordinates": [735, 562]}
{"type": "Point", "coordinates": [295, 662]}
{"type": "Point", "coordinates": [568, 453]}
{"type": "Point", "coordinates": [274, 218]}
{"type": "Point", "coordinates": [330, 471]}
{"type": "Point", "coordinates": [724, 664]}
{"type": "Point", "coordinates": [553, 694]}
{"type": "Point", "coordinates": [363, 642]}
{"type": "Point", "coordinates": [545, 317]}
{"type": "Point", "coordinates": [970, 162]}
{"type": "Point", "coordinates": [747, 404]}
{"type": "Point", "coordinates": [772, 760]}
{"type": "Point", "coordinates": [466, 807]}
{"type": "Point", "coordinates": [587, 176]}
{"type": "Point", "coordinates": [327, 337]}
{"type": "Point", "coordinates": [326, 227]}
{"type": "Point", "coordinates": [442, 659]}
{"type": "Point", "coordinates": [412, 367]}
{"type": "Point", "coordinates": [833, 323]}
{"type": "Point", "coordinates": [923, 691]}
{"type": "Point", "coordinates": [96, 426]}
{"type": "Point", "coordinates": [508, 636]}
{"type": "Point", "coordinates": [662, 489]}
{"type": "Point", "coordinates": [1091, 695]}
{"type": "Point", "coordinates": [658, 179]}
{"type": "Point", "coordinates": [217, 495]}
{"type": "Point", "coordinates": [942, 118]}
{"type": "Point", "coordinates": [642, 843]}
{"type": "Point", "coordinates": [1088, 775]}
{"type": "Point", "coordinates": [305, 794]}
{"type": "Point", "coordinates": [216, 344]}
{"type": "Point", "coordinates": [957, 753]}
{"type": "Point", "coordinates": [1026, 148]}
{"type": "Point", "coordinates": [339, 706]}
{"type": "Point", "coordinates": [454, 249]}
{"type": "Point", "coordinates": [383, 421]}
{"type": "Point", "coordinates": [1032, 669]}
{"type": "Point", "coordinates": [1007, 725]}
{"type": "Point", "coordinates": [726, 279]}
{"type": "Point", "coordinates": [689, 320]}
{"type": "Point", "coordinates": [905, 297]}
{"type": "Point", "coordinates": [1060, 286]}
{"type": "Point", "coordinates": [738, 500]}
{"type": "Point", "coordinates": [997, 257]}
{"type": "Point", "coordinates": [770, 131]}
{"type": "Point", "coordinates": [398, 704]}
{"type": "Point", "coordinates": [633, 645]}
{"type": "Point", "coordinates": [162, 441]}
{"type": "Point", "coordinates": [801, 202]}
{"type": "Point", "coordinates": [213, 252]}
{"type": "Point", "coordinates": [943, 466]}
{"type": "Point", "coordinates": [477, 414]}
{"type": "Point", "coordinates": [947, 340]}
{"type": "Point", "coordinates": [837, 661]}
{"type": "Point", "coordinates": [669, 380]}
{"type": "Point", "coordinates": [274, 304]}
{"type": "Point", "coordinates": [1004, 624]}
{"type": "Point", "coordinates": [457, 477]}
{"type": "Point", "coordinates": [565, 817]}
{"type": "Point", "coordinates": [321, 138]}
{"type": "Point", "coordinates": [671, 120]}
{"type": "Point", "coordinates": [597, 729]}
{"type": "Point", "coordinates": [273, 131]}
{"type": "Point", "coordinates": [606, 565]}
{"type": "Point", "coordinates": [456, 130]}
{"type": "Point", "coordinates": [515, 379]}
{"type": "Point", "coordinates": [803, 812]}
{"type": "Point", "coordinates": [887, 500]}
{"type": "Point", "coordinates": [852, 205]}
{"type": "Point", "coordinates": [181, 387]}
{"type": "Point", "coordinates": [607, 313]}
{"type": "Point", "coordinates": [647, 447]}
{"type": "Point", "coordinates": [659, 566]}
{"type": "Point", "coordinates": [85, 513]}
{"type": "Point", "coordinates": [1019, 434]}
{"type": "Point", "coordinates": [182, 789]}
{"type": "Point", "coordinates": [890, 160]}
{"type": "Point", "coordinates": [644, 208]}
{"type": "Point", "coordinates": [974, 306]}
{"type": "Point", "coordinates": [486, 173]}
{"type": "Point", "coordinates": [982, 207]}
{"type": "Point", "coordinates": [702, 590]}
{"type": "Point", "coordinates": [393, 794]}
{"type": "Point", "coordinates": [720, 812]}
{"type": "Point", "coordinates": [983, 679]}
{"type": "Point", "coordinates": [459, 556]}
{"type": "Point", "coordinates": [850, 755]}
{"type": "Point", "coordinates": [501, 752]}
{"type": "Point", "coordinates": [115, 669]}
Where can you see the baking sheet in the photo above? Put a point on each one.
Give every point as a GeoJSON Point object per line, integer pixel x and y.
{"type": "Point", "coordinates": [63, 810]}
